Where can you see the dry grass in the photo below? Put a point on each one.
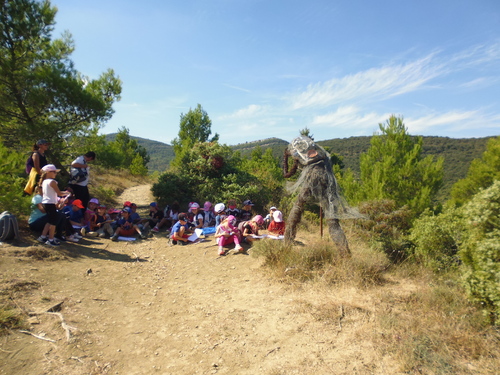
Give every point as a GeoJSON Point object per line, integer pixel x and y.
{"type": "Point", "coordinates": [106, 184]}
{"type": "Point", "coordinates": [422, 320]}
{"type": "Point", "coordinates": [313, 259]}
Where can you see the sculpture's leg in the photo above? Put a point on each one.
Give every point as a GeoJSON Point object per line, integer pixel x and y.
{"type": "Point", "coordinates": [338, 237]}
{"type": "Point", "coordinates": [295, 215]}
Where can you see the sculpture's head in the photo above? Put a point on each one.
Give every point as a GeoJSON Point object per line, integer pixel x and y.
{"type": "Point", "coordinates": [306, 151]}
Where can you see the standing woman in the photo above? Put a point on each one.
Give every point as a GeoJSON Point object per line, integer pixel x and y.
{"type": "Point", "coordinates": [35, 163]}
{"type": "Point", "coordinates": [80, 177]}
{"type": "Point", "coordinates": [38, 156]}
{"type": "Point", "coordinates": [50, 192]}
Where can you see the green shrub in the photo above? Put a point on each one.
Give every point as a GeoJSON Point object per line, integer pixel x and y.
{"type": "Point", "coordinates": [437, 239]}
{"type": "Point", "coordinates": [480, 252]}
{"type": "Point", "coordinates": [12, 182]}
{"type": "Point", "coordinates": [388, 226]}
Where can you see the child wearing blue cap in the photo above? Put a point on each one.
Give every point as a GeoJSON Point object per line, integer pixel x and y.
{"type": "Point", "coordinates": [126, 227]}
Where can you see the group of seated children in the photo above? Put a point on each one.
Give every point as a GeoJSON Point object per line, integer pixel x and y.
{"type": "Point", "coordinates": [232, 225]}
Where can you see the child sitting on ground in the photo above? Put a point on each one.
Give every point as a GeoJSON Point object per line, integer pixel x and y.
{"type": "Point", "coordinates": [126, 227]}
{"type": "Point", "coordinates": [227, 234]}
{"type": "Point", "coordinates": [180, 230]}
{"type": "Point", "coordinates": [100, 223]}
{"type": "Point", "coordinates": [277, 226]}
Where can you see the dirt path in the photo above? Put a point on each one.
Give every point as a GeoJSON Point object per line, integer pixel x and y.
{"type": "Point", "coordinates": [144, 307]}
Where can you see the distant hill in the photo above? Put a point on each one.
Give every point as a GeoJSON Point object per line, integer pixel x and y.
{"type": "Point", "coordinates": [160, 154]}
{"type": "Point", "coordinates": [457, 153]}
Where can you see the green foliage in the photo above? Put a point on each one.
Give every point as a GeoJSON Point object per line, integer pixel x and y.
{"type": "Point", "coordinates": [437, 239]}
{"type": "Point", "coordinates": [480, 252]}
{"type": "Point", "coordinates": [482, 173]}
{"type": "Point", "coordinates": [212, 172]}
{"type": "Point", "coordinates": [12, 182]}
{"type": "Point", "coordinates": [41, 94]}
{"type": "Point", "coordinates": [267, 170]}
{"type": "Point", "coordinates": [388, 226]}
{"type": "Point", "coordinates": [394, 169]}
{"type": "Point", "coordinates": [195, 126]}
{"type": "Point", "coordinates": [122, 152]}
{"type": "Point", "coordinates": [171, 187]}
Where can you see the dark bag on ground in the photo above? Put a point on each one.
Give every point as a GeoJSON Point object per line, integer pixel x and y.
{"type": "Point", "coordinates": [9, 229]}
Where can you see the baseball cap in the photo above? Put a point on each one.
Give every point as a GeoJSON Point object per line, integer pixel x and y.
{"type": "Point", "coordinates": [126, 209]}
{"type": "Point", "coordinates": [94, 200]}
{"type": "Point", "coordinates": [42, 142]}
{"type": "Point", "coordinates": [127, 204]}
{"type": "Point", "coordinates": [248, 202]}
{"type": "Point", "coordinates": [272, 208]}
{"type": "Point", "coordinates": [194, 205]}
{"type": "Point", "coordinates": [153, 204]}
{"type": "Point", "coordinates": [78, 203]}
{"type": "Point", "coordinates": [219, 207]}
{"type": "Point", "coordinates": [258, 219]}
{"type": "Point", "coordinates": [50, 168]}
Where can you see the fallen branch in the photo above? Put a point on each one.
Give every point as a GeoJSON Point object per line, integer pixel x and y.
{"type": "Point", "coordinates": [37, 336]}
{"type": "Point", "coordinates": [342, 314]}
{"type": "Point", "coordinates": [65, 326]}
{"type": "Point", "coordinates": [272, 350]}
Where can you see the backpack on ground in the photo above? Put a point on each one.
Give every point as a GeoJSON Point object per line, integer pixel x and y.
{"type": "Point", "coordinates": [9, 229]}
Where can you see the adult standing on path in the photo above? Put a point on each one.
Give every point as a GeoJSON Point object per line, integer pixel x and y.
{"type": "Point", "coordinates": [317, 182]}
{"type": "Point", "coordinates": [80, 177]}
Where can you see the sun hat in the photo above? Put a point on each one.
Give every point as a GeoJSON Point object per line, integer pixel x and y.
{"type": "Point", "coordinates": [50, 168]}
{"type": "Point", "coordinates": [219, 207]}
{"type": "Point", "coordinates": [231, 221]}
{"type": "Point", "coordinates": [277, 216]}
{"type": "Point", "coordinates": [248, 202]}
{"type": "Point", "coordinates": [258, 219]}
{"type": "Point", "coordinates": [94, 200]}
{"type": "Point", "coordinates": [78, 203]}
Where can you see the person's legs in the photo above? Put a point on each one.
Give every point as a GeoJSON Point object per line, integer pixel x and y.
{"type": "Point", "coordinates": [296, 215]}
{"type": "Point", "coordinates": [338, 237]}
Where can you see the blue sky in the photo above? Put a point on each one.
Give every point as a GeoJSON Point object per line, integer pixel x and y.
{"type": "Point", "coordinates": [269, 68]}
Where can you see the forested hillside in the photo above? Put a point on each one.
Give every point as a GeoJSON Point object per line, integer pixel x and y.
{"type": "Point", "coordinates": [160, 153]}
{"type": "Point", "coordinates": [458, 153]}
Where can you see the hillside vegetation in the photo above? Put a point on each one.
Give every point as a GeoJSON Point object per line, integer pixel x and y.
{"type": "Point", "coordinates": [457, 153]}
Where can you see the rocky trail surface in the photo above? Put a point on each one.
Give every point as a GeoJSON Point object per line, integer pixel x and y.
{"type": "Point", "coordinates": [144, 307]}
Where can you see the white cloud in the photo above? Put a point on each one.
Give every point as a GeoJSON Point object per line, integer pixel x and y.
{"type": "Point", "coordinates": [236, 87]}
{"type": "Point", "coordinates": [383, 82]}
{"type": "Point", "coordinates": [350, 117]}
{"type": "Point", "coordinates": [250, 111]}
{"type": "Point", "coordinates": [454, 121]}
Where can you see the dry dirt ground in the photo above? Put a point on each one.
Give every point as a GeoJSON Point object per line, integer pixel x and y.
{"type": "Point", "coordinates": [145, 307]}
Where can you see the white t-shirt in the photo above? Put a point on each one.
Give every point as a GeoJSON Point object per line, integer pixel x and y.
{"type": "Point", "coordinates": [49, 194]}
{"type": "Point", "coordinates": [81, 160]}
